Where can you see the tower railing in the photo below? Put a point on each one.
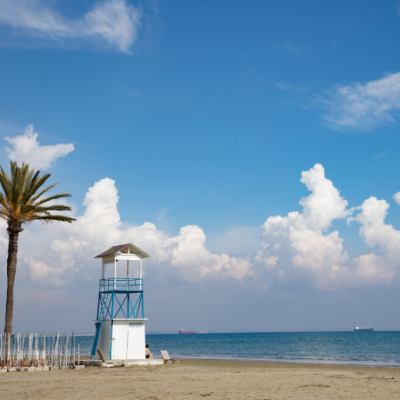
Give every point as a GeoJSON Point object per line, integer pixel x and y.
{"type": "Point", "coordinates": [121, 285]}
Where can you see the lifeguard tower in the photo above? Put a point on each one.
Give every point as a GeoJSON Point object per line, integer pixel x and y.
{"type": "Point", "coordinates": [120, 322]}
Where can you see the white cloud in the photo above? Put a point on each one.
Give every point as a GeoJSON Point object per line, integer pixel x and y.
{"type": "Point", "coordinates": [324, 204]}
{"type": "Point", "coordinates": [301, 242]}
{"type": "Point", "coordinates": [299, 239]}
{"type": "Point", "coordinates": [269, 262]}
{"type": "Point", "coordinates": [43, 274]}
{"type": "Point", "coordinates": [26, 148]}
{"type": "Point", "coordinates": [238, 240]}
{"type": "Point", "coordinates": [396, 197]}
{"type": "Point", "coordinates": [363, 105]}
{"type": "Point", "coordinates": [112, 22]}
{"type": "Point", "coordinates": [372, 268]}
{"type": "Point", "coordinates": [297, 247]}
{"type": "Point", "coordinates": [58, 254]}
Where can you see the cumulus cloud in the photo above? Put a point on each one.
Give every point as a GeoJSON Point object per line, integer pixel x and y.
{"type": "Point", "coordinates": [363, 106]}
{"type": "Point", "coordinates": [112, 22]}
{"type": "Point", "coordinates": [298, 247]}
{"type": "Point", "coordinates": [26, 148]}
{"type": "Point", "coordinates": [372, 268]}
{"type": "Point", "coordinates": [65, 252]}
{"type": "Point", "coordinates": [300, 240]}
{"type": "Point", "coordinates": [300, 243]}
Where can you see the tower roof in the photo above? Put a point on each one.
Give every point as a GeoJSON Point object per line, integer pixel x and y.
{"type": "Point", "coordinates": [123, 248]}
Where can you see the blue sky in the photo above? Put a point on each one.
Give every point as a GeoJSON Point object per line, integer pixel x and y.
{"type": "Point", "coordinates": [205, 114]}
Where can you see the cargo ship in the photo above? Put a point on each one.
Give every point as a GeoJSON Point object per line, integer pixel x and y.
{"type": "Point", "coordinates": [363, 329]}
{"type": "Point", "coordinates": [190, 333]}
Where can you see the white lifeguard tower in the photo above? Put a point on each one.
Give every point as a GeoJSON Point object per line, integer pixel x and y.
{"type": "Point", "coordinates": [120, 323]}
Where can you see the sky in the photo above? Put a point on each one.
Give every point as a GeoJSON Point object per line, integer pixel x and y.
{"type": "Point", "coordinates": [251, 148]}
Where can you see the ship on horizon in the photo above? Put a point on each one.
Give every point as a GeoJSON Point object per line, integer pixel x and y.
{"type": "Point", "coordinates": [363, 329]}
{"type": "Point", "coordinates": [184, 332]}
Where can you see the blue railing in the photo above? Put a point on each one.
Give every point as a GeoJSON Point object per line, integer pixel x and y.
{"type": "Point", "coordinates": [121, 284]}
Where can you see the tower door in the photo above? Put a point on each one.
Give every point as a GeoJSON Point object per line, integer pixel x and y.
{"type": "Point", "coordinates": [119, 340]}
{"type": "Point", "coordinates": [128, 340]}
{"type": "Point", "coordinates": [136, 341]}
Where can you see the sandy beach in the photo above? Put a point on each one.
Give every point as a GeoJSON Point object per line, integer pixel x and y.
{"type": "Point", "coordinates": [197, 379]}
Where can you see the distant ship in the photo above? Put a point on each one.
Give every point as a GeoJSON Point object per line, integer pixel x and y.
{"type": "Point", "coordinates": [190, 333]}
{"type": "Point", "coordinates": [363, 329]}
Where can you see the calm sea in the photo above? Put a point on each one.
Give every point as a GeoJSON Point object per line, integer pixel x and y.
{"type": "Point", "coordinates": [364, 348]}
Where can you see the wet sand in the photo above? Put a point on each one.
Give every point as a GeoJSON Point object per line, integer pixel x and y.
{"type": "Point", "coordinates": [198, 379]}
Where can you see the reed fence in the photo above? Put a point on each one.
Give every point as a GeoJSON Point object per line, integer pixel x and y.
{"type": "Point", "coordinates": [37, 349]}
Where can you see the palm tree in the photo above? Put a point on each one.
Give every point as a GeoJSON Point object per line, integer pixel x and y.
{"type": "Point", "coordinates": [22, 201]}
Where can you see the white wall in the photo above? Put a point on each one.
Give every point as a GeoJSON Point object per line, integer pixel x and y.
{"type": "Point", "coordinates": [129, 340]}
{"type": "Point", "coordinates": [109, 271]}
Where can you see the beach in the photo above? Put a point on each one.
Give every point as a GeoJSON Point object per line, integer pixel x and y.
{"type": "Point", "coordinates": [198, 379]}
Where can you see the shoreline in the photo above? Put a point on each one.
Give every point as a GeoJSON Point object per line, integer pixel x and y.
{"type": "Point", "coordinates": [284, 364]}
{"type": "Point", "coordinates": [354, 363]}
{"type": "Point", "coordinates": [392, 364]}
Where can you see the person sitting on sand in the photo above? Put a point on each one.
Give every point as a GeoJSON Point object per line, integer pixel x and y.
{"type": "Point", "coordinates": [148, 354]}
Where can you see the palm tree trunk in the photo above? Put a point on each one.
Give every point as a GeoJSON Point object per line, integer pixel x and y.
{"type": "Point", "coordinates": [13, 233]}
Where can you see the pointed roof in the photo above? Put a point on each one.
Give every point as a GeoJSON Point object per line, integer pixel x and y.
{"type": "Point", "coordinates": [123, 248]}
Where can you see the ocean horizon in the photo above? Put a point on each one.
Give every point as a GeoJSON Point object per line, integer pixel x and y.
{"type": "Point", "coordinates": [377, 348]}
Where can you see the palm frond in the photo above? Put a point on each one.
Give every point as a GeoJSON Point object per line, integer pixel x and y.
{"type": "Point", "coordinates": [50, 218]}
{"type": "Point", "coordinates": [57, 207]}
{"type": "Point", "coordinates": [40, 194]}
{"type": "Point", "coordinates": [21, 198]}
{"type": "Point", "coordinates": [37, 183]}
{"type": "Point", "coordinates": [34, 176]}
{"type": "Point", "coordinates": [33, 211]}
{"type": "Point", "coordinates": [55, 197]}
{"type": "Point", "coordinates": [5, 183]}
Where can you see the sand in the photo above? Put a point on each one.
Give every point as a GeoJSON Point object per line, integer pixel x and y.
{"type": "Point", "coordinates": [198, 379]}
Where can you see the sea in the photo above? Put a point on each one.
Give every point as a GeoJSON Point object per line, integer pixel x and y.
{"type": "Point", "coordinates": [357, 348]}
